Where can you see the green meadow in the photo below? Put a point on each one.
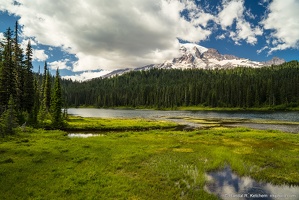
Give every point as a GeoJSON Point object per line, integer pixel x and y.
{"type": "Point", "coordinates": [139, 159]}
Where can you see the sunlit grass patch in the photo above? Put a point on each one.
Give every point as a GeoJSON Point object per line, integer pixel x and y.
{"type": "Point", "coordinates": [243, 150]}
{"type": "Point", "coordinates": [183, 150]}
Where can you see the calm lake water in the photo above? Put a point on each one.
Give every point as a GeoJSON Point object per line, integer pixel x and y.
{"type": "Point", "coordinates": [291, 116]}
{"type": "Point", "coordinates": [154, 114]}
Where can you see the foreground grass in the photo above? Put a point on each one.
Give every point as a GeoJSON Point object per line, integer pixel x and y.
{"type": "Point", "coordinates": [152, 164]}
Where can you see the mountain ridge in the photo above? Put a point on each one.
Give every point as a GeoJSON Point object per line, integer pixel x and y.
{"type": "Point", "coordinates": [193, 56]}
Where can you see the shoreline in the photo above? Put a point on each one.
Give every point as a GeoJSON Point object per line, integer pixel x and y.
{"type": "Point", "coordinates": [199, 108]}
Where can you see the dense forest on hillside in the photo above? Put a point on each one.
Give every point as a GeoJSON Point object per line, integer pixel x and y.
{"type": "Point", "coordinates": [275, 86]}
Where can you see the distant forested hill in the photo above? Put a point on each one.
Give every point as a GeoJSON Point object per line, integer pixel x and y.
{"type": "Point", "coordinates": [275, 86]}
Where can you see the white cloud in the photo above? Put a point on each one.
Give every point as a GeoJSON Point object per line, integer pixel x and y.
{"type": "Point", "coordinates": [86, 75]}
{"type": "Point", "coordinates": [249, 14]}
{"type": "Point", "coordinates": [262, 49]}
{"type": "Point", "coordinates": [198, 16]}
{"type": "Point", "coordinates": [61, 64]}
{"type": "Point", "coordinates": [220, 37]}
{"type": "Point", "coordinates": [247, 33]}
{"type": "Point", "coordinates": [39, 55]}
{"type": "Point", "coordinates": [282, 19]}
{"type": "Point", "coordinates": [202, 18]}
{"type": "Point", "coordinates": [234, 12]}
{"type": "Point", "coordinates": [109, 34]}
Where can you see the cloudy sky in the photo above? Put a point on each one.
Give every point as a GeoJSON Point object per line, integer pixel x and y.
{"type": "Point", "coordinates": [86, 38]}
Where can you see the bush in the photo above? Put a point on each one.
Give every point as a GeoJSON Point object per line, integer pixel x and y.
{"type": "Point", "coordinates": [8, 120]}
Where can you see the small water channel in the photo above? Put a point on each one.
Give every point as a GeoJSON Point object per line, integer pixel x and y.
{"type": "Point", "coordinates": [84, 135]}
{"type": "Point", "coordinates": [229, 186]}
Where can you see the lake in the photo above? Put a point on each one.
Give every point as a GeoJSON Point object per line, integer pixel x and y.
{"type": "Point", "coordinates": [290, 116]}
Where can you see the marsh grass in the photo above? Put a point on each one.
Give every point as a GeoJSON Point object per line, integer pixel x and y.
{"type": "Point", "coordinates": [151, 164]}
{"type": "Point", "coordinates": [205, 108]}
{"type": "Point", "coordinates": [80, 123]}
{"type": "Point", "coordinates": [223, 122]}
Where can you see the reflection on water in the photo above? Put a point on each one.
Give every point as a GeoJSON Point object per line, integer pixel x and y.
{"type": "Point", "coordinates": [227, 186]}
{"type": "Point", "coordinates": [83, 135]}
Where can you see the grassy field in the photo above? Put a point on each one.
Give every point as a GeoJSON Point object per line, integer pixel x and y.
{"type": "Point", "coordinates": [154, 163]}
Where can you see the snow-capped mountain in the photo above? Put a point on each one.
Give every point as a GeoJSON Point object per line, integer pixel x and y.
{"type": "Point", "coordinates": [194, 56]}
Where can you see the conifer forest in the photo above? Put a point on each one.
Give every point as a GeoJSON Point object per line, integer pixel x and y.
{"type": "Point", "coordinates": [26, 98]}
{"type": "Point", "coordinates": [274, 87]}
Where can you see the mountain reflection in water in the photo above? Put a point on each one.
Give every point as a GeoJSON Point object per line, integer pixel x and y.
{"type": "Point", "coordinates": [227, 186]}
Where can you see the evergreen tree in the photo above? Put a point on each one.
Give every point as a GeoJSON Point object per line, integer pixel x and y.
{"type": "Point", "coordinates": [43, 82]}
{"type": "Point", "coordinates": [47, 92]}
{"type": "Point", "coordinates": [1, 86]}
{"type": "Point", "coordinates": [45, 95]}
{"type": "Point", "coordinates": [7, 72]}
{"type": "Point", "coordinates": [56, 105]}
{"type": "Point", "coordinates": [33, 117]}
{"type": "Point", "coordinates": [19, 70]}
{"type": "Point", "coordinates": [28, 80]}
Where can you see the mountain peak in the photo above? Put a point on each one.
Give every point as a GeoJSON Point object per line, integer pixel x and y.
{"type": "Point", "coordinates": [191, 47]}
{"type": "Point", "coordinates": [212, 54]}
{"type": "Point", "coordinates": [193, 56]}
{"type": "Point", "coordinates": [274, 61]}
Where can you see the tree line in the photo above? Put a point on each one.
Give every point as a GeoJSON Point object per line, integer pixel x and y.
{"type": "Point", "coordinates": [275, 87]}
{"type": "Point", "coordinates": [25, 98]}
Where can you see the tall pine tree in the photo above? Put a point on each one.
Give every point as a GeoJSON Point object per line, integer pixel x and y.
{"type": "Point", "coordinates": [19, 70]}
{"type": "Point", "coordinates": [56, 105]}
{"type": "Point", "coordinates": [45, 94]}
{"type": "Point", "coordinates": [7, 72]}
{"type": "Point", "coordinates": [28, 80]}
{"type": "Point", "coordinates": [1, 84]}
